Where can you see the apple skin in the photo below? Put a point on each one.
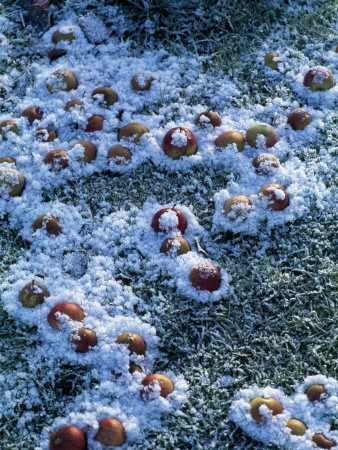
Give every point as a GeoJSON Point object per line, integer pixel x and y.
{"type": "Point", "coordinates": [322, 442]}
{"type": "Point", "coordinates": [261, 128]}
{"type": "Point", "coordinates": [275, 203]}
{"type": "Point", "coordinates": [176, 246]}
{"type": "Point", "coordinates": [45, 134]}
{"type": "Point", "coordinates": [87, 340]}
{"type": "Point", "coordinates": [7, 159]}
{"type": "Point", "coordinates": [233, 204]}
{"type": "Point", "coordinates": [109, 96]}
{"type": "Point", "coordinates": [299, 119]}
{"type": "Point", "coordinates": [73, 103]}
{"type": "Point", "coordinates": [214, 119]}
{"type": "Point", "coordinates": [67, 438]}
{"type": "Point", "coordinates": [141, 82]}
{"type": "Point", "coordinates": [11, 127]}
{"type": "Point", "coordinates": [121, 152]}
{"type": "Point", "coordinates": [166, 385]}
{"type": "Point", "coordinates": [265, 163]}
{"type": "Point", "coordinates": [156, 224]}
{"type": "Point", "coordinates": [95, 123]}
{"type": "Point", "coordinates": [315, 392]}
{"type": "Point", "coordinates": [231, 137]}
{"type": "Point", "coordinates": [55, 53]}
{"type": "Point", "coordinates": [74, 312]}
{"type": "Point", "coordinates": [59, 36]}
{"type": "Point", "coordinates": [32, 113]}
{"type": "Point", "coordinates": [269, 60]}
{"type": "Point", "coordinates": [174, 151]}
{"type": "Point", "coordinates": [134, 342]}
{"type": "Point", "coordinates": [270, 402]}
{"type": "Point", "coordinates": [61, 80]}
{"type": "Point", "coordinates": [134, 368]}
{"type": "Point", "coordinates": [111, 433]}
{"type": "Point", "coordinates": [205, 276]}
{"type": "Point", "coordinates": [38, 5]}
{"type": "Point", "coordinates": [297, 427]}
{"type": "Point", "coordinates": [89, 153]}
{"type": "Point", "coordinates": [13, 181]}
{"type": "Point", "coordinates": [58, 160]}
{"type": "Point", "coordinates": [31, 299]}
{"type": "Point", "coordinates": [319, 78]}
{"type": "Point", "coordinates": [132, 130]}
{"type": "Point", "coordinates": [52, 224]}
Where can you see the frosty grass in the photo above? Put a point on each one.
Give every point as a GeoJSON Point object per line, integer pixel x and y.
{"type": "Point", "coordinates": [99, 251]}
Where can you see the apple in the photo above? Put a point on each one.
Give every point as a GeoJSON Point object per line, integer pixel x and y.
{"type": "Point", "coordinates": [7, 159]}
{"type": "Point", "coordinates": [169, 219]}
{"type": "Point", "coordinates": [61, 80]}
{"type": "Point", "coordinates": [111, 433]}
{"type": "Point", "coordinates": [277, 195]}
{"type": "Point", "coordinates": [323, 442]}
{"type": "Point", "coordinates": [175, 246]}
{"type": "Point", "coordinates": [134, 368]}
{"type": "Point", "coordinates": [74, 312]}
{"type": "Point", "coordinates": [6, 126]}
{"type": "Point", "coordinates": [208, 117]}
{"type": "Point", "coordinates": [32, 113]}
{"type": "Point", "coordinates": [45, 134]}
{"type": "Point", "coordinates": [50, 223]}
{"type": "Point", "coordinates": [142, 81]}
{"type": "Point", "coordinates": [231, 137]}
{"type": "Point", "coordinates": [299, 119]}
{"type": "Point", "coordinates": [109, 96]}
{"type": "Point", "coordinates": [74, 103]}
{"type": "Point", "coordinates": [84, 339]}
{"type": "Point", "coordinates": [319, 78]}
{"type": "Point", "coordinates": [132, 132]}
{"type": "Point", "coordinates": [89, 151]}
{"type": "Point", "coordinates": [316, 392]}
{"type": "Point", "coordinates": [58, 159]}
{"type": "Point", "coordinates": [179, 141]}
{"type": "Point", "coordinates": [33, 294]}
{"type": "Point", "coordinates": [270, 402]}
{"type": "Point", "coordinates": [63, 34]}
{"type": "Point", "coordinates": [120, 155]}
{"type": "Point", "coordinates": [67, 438]}
{"type": "Point", "coordinates": [205, 276]}
{"type": "Point", "coordinates": [38, 7]}
{"type": "Point", "coordinates": [156, 379]}
{"type": "Point", "coordinates": [297, 427]}
{"type": "Point", "coordinates": [237, 206]}
{"type": "Point", "coordinates": [264, 129]}
{"type": "Point", "coordinates": [134, 342]}
{"type": "Point", "coordinates": [95, 123]}
{"type": "Point", "coordinates": [12, 182]}
{"type": "Point", "coordinates": [55, 53]}
{"type": "Point", "coordinates": [272, 60]}
{"type": "Point", "coordinates": [265, 163]}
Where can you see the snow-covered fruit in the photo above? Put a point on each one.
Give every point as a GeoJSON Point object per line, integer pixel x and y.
{"type": "Point", "coordinates": [265, 163]}
{"type": "Point", "coordinates": [67, 438]}
{"type": "Point", "coordinates": [133, 341]}
{"type": "Point", "coordinates": [274, 406]}
{"type": "Point", "coordinates": [156, 382]}
{"type": "Point", "coordinates": [50, 223]}
{"type": "Point", "coordinates": [12, 182]}
{"type": "Point", "coordinates": [45, 134]}
{"type": "Point", "coordinates": [297, 427]}
{"type": "Point", "coordinates": [63, 34]}
{"type": "Point", "coordinates": [316, 392]}
{"type": "Point", "coordinates": [264, 129]}
{"type": "Point", "coordinates": [74, 103]}
{"type": "Point", "coordinates": [322, 441]}
{"type": "Point", "coordinates": [7, 159]}
{"type": "Point", "coordinates": [84, 339]}
{"type": "Point", "coordinates": [73, 311]}
{"type": "Point", "coordinates": [119, 154]}
{"type": "Point", "coordinates": [134, 368]}
{"type": "Point", "coordinates": [230, 137]}
{"type": "Point", "coordinates": [205, 276]}
{"type": "Point", "coordinates": [319, 78]}
{"type": "Point", "coordinates": [33, 294]}
{"type": "Point", "coordinates": [179, 141]}
{"type": "Point", "coordinates": [278, 198]}
{"type": "Point", "coordinates": [175, 246]}
{"type": "Point", "coordinates": [299, 119]}
{"type": "Point", "coordinates": [109, 96]}
{"type": "Point", "coordinates": [6, 126]}
{"type": "Point", "coordinates": [132, 132]}
{"type": "Point", "coordinates": [272, 60]}
{"type": "Point", "coordinates": [88, 151]}
{"type": "Point", "coordinates": [61, 80]}
{"type": "Point", "coordinates": [32, 113]}
{"type": "Point", "coordinates": [95, 123]}
{"type": "Point", "coordinates": [169, 219]}
{"type": "Point", "coordinates": [142, 81]}
{"type": "Point", "coordinates": [237, 206]}
{"type": "Point", "coordinates": [208, 117]}
{"type": "Point", "coordinates": [111, 433]}
{"type": "Point", "coordinates": [57, 159]}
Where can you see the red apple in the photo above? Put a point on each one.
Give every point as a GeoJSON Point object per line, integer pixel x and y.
{"type": "Point", "coordinates": [51, 223]}
{"type": "Point", "coordinates": [132, 132]}
{"type": "Point", "coordinates": [299, 119]}
{"type": "Point", "coordinates": [231, 137]}
{"type": "Point", "coordinates": [58, 159]}
{"type": "Point", "coordinates": [237, 206]}
{"type": "Point", "coordinates": [205, 276]}
{"type": "Point", "coordinates": [111, 433]}
{"type": "Point", "coordinates": [74, 312]}
{"type": "Point", "coordinates": [67, 438]}
{"type": "Point", "coordinates": [316, 392]}
{"type": "Point", "coordinates": [95, 123]}
{"type": "Point", "coordinates": [323, 442]}
{"type": "Point", "coordinates": [38, 7]}
{"type": "Point", "coordinates": [45, 134]}
{"type": "Point", "coordinates": [319, 78]}
{"type": "Point", "coordinates": [263, 129]}
{"type": "Point", "coordinates": [84, 339]}
{"type": "Point", "coordinates": [12, 182]}
{"type": "Point", "coordinates": [208, 117]}
{"type": "Point", "coordinates": [133, 341]}
{"type": "Point", "coordinates": [175, 246]}
{"type": "Point", "coordinates": [109, 96]}
{"type": "Point", "coordinates": [265, 163]}
{"type": "Point", "coordinates": [270, 402]}
{"type": "Point", "coordinates": [141, 81]}
{"type": "Point", "coordinates": [32, 113]}
{"type": "Point", "coordinates": [277, 195]}
{"type": "Point", "coordinates": [179, 141]}
{"type": "Point", "coordinates": [149, 383]}
{"type": "Point", "coordinates": [169, 219]}
{"type": "Point", "coordinates": [33, 294]}
{"type": "Point", "coordinates": [119, 154]}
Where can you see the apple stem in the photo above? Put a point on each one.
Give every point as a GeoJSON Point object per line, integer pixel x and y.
{"type": "Point", "coordinates": [173, 206]}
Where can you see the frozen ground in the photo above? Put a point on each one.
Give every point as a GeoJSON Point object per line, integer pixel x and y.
{"type": "Point", "coordinates": [273, 321]}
